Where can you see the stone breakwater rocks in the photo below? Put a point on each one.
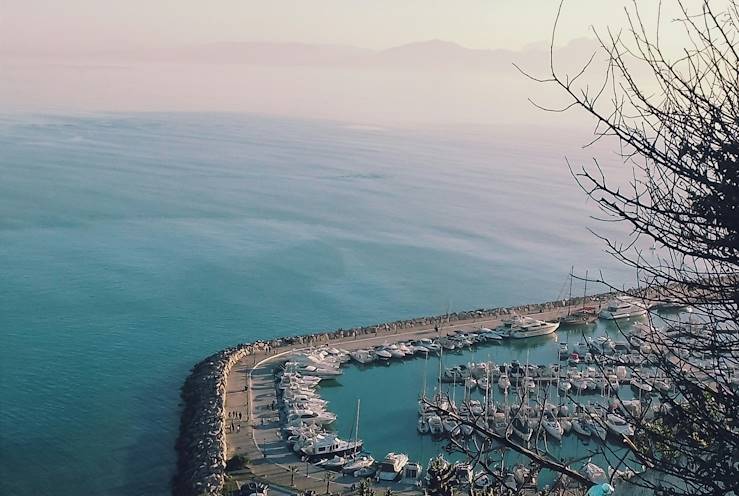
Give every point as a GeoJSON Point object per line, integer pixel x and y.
{"type": "Point", "coordinates": [201, 445]}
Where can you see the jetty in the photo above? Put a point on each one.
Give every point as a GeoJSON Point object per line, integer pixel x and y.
{"type": "Point", "coordinates": [229, 399]}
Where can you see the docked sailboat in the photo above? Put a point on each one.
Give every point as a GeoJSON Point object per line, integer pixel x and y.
{"type": "Point", "coordinates": [522, 429]}
{"type": "Point", "coordinates": [584, 315]}
{"type": "Point", "coordinates": [552, 426]}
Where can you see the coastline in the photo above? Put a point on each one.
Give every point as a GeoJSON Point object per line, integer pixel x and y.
{"type": "Point", "coordinates": [203, 443]}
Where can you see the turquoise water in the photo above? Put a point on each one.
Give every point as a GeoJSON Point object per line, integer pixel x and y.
{"type": "Point", "coordinates": [388, 395]}
{"type": "Point", "coordinates": [131, 246]}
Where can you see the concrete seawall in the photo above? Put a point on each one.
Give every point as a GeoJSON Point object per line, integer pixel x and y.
{"type": "Point", "coordinates": [201, 444]}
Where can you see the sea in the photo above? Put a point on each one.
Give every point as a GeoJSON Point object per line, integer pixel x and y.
{"type": "Point", "coordinates": [134, 245]}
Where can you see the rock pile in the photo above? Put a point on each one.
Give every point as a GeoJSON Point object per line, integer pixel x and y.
{"type": "Point", "coordinates": [201, 444]}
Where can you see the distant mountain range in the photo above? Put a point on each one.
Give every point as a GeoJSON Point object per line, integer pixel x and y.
{"type": "Point", "coordinates": [432, 53]}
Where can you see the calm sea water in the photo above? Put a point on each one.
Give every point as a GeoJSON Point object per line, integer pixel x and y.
{"type": "Point", "coordinates": [131, 246]}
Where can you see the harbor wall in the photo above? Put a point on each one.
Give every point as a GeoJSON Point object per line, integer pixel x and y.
{"type": "Point", "coordinates": [201, 445]}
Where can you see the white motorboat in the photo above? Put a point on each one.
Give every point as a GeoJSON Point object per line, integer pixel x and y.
{"type": "Point", "coordinates": [324, 372]}
{"type": "Point", "coordinates": [504, 382]}
{"type": "Point", "coordinates": [483, 383]}
{"type": "Point", "coordinates": [412, 472]}
{"type": "Point", "coordinates": [613, 383]}
{"type": "Point", "coordinates": [564, 351]}
{"type": "Point", "coordinates": [475, 407]}
{"type": "Point", "coordinates": [618, 425]}
{"type": "Point", "coordinates": [359, 463]}
{"type": "Point", "coordinates": [641, 387]}
{"type": "Point", "coordinates": [466, 430]}
{"type": "Point", "coordinates": [436, 426]}
{"type": "Point", "coordinates": [566, 425]}
{"type": "Point", "coordinates": [334, 463]}
{"type": "Point", "coordinates": [574, 359]}
{"type": "Point", "coordinates": [530, 384]}
{"type": "Point", "coordinates": [423, 425]}
{"type": "Point", "coordinates": [552, 426]}
{"type": "Point", "coordinates": [564, 386]}
{"type": "Point", "coordinates": [505, 328]}
{"type": "Point", "coordinates": [581, 425]}
{"type": "Point", "coordinates": [363, 356]}
{"type": "Point", "coordinates": [329, 445]}
{"type": "Point", "coordinates": [594, 473]}
{"type": "Point", "coordinates": [529, 328]}
{"type": "Point", "coordinates": [490, 335]}
{"type": "Point", "coordinates": [450, 425]}
{"type": "Point", "coordinates": [623, 307]}
{"type": "Point", "coordinates": [500, 425]}
{"type": "Point", "coordinates": [479, 370]}
{"type": "Point", "coordinates": [483, 480]}
{"type": "Point", "coordinates": [580, 384]}
{"type": "Point", "coordinates": [365, 472]}
{"type": "Point", "coordinates": [597, 428]}
{"type": "Point", "coordinates": [311, 417]}
{"type": "Point", "coordinates": [523, 475]}
{"type": "Point", "coordinates": [395, 351]}
{"type": "Point", "coordinates": [433, 347]}
{"type": "Point", "coordinates": [383, 354]}
{"type": "Point", "coordinates": [392, 466]}
{"type": "Point", "coordinates": [463, 473]}
{"type": "Point", "coordinates": [522, 429]}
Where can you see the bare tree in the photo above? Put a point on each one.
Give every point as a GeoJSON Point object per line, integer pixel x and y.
{"type": "Point", "coordinates": [676, 121]}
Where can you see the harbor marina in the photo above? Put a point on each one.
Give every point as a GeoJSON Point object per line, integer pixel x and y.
{"type": "Point", "coordinates": [471, 374]}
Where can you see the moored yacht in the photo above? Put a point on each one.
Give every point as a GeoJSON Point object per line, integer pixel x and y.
{"type": "Point", "coordinates": [618, 425]}
{"type": "Point", "coordinates": [363, 356]}
{"type": "Point", "coordinates": [623, 307]}
{"type": "Point", "coordinates": [392, 466]}
{"type": "Point", "coordinates": [436, 426]}
{"type": "Point", "coordinates": [329, 445]}
{"type": "Point", "coordinates": [552, 426]}
{"type": "Point", "coordinates": [529, 328]}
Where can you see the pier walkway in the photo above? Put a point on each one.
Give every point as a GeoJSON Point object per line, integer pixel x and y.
{"type": "Point", "coordinates": [250, 391]}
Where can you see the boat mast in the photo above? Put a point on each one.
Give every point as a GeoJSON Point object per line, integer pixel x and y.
{"type": "Point", "coordinates": [585, 291]}
{"type": "Point", "coordinates": [356, 429]}
{"type": "Point", "coordinates": [487, 391]}
{"type": "Point", "coordinates": [425, 366]}
{"type": "Point", "coordinates": [569, 299]}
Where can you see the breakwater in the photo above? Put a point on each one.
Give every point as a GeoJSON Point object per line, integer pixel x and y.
{"type": "Point", "coordinates": [201, 443]}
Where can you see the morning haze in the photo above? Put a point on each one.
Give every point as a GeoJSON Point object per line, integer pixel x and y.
{"type": "Point", "coordinates": [398, 62]}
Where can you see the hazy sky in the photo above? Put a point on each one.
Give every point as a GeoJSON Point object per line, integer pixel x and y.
{"type": "Point", "coordinates": [106, 55]}
{"type": "Point", "coordinates": [53, 25]}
